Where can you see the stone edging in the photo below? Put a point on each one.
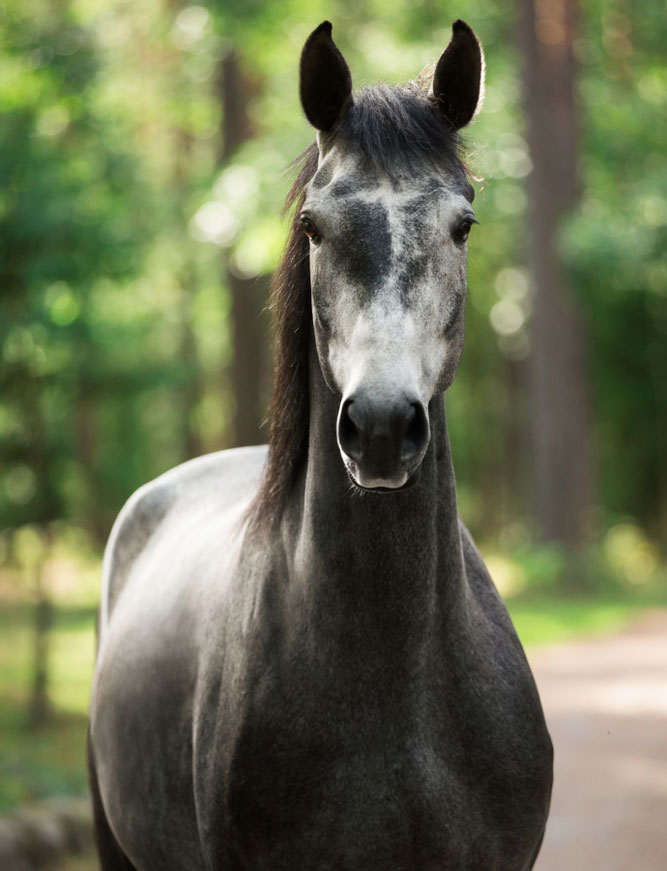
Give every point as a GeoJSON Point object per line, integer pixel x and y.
{"type": "Point", "coordinates": [36, 837]}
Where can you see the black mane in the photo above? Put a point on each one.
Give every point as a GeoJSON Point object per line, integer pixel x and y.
{"type": "Point", "coordinates": [394, 127]}
{"type": "Point", "coordinates": [391, 128]}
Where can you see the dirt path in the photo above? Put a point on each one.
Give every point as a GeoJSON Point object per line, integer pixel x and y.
{"type": "Point", "coordinates": [605, 702]}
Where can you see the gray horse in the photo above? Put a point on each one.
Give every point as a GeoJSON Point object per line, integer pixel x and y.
{"type": "Point", "coordinates": [303, 663]}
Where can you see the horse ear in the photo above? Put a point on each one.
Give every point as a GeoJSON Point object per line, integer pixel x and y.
{"type": "Point", "coordinates": [458, 81]}
{"type": "Point", "coordinates": [326, 83]}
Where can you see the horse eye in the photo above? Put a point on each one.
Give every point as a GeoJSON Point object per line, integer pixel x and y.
{"type": "Point", "coordinates": [310, 229]}
{"type": "Point", "coordinates": [464, 228]}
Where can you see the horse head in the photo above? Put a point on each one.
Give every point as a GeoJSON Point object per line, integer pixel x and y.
{"type": "Point", "coordinates": [388, 213]}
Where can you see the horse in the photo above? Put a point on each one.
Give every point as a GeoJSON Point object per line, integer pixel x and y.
{"type": "Point", "coordinates": [303, 662]}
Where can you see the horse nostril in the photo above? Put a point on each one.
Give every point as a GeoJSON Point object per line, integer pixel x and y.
{"type": "Point", "coordinates": [382, 435]}
{"type": "Point", "coordinates": [416, 434]}
{"type": "Point", "coordinates": [348, 433]}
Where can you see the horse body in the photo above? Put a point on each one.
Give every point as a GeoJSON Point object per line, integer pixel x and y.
{"type": "Point", "coordinates": [334, 683]}
{"type": "Point", "coordinates": [373, 711]}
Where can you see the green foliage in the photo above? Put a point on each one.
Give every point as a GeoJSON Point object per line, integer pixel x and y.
{"type": "Point", "coordinates": [616, 251]}
{"type": "Point", "coordinates": [38, 764]}
{"type": "Point", "coordinates": [116, 216]}
{"type": "Point", "coordinates": [545, 620]}
{"type": "Point", "coordinates": [66, 225]}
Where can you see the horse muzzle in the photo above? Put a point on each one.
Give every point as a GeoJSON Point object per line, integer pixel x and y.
{"type": "Point", "coordinates": [382, 442]}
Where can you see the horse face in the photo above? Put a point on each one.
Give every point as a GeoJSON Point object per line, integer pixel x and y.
{"type": "Point", "coordinates": [387, 256]}
{"type": "Point", "coordinates": [388, 279]}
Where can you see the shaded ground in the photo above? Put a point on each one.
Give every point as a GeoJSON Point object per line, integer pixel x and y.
{"type": "Point", "coordinates": [606, 705]}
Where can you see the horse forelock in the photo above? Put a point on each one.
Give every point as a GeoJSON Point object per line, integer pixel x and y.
{"type": "Point", "coordinates": [395, 127]}
{"type": "Point", "coordinates": [391, 128]}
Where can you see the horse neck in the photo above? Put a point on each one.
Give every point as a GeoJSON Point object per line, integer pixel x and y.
{"type": "Point", "coordinates": [389, 564]}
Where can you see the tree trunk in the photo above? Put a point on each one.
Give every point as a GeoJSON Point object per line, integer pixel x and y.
{"type": "Point", "coordinates": [85, 431]}
{"type": "Point", "coordinates": [559, 392]}
{"type": "Point", "coordinates": [46, 509]}
{"type": "Point", "coordinates": [248, 295]}
{"type": "Point", "coordinates": [192, 389]}
{"type": "Point", "coordinates": [39, 713]}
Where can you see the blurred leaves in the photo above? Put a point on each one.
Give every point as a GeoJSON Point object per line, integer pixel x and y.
{"type": "Point", "coordinates": [114, 209]}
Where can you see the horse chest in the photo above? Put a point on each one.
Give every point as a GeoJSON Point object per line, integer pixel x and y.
{"type": "Point", "coordinates": [311, 805]}
{"type": "Point", "coordinates": [357, 786]}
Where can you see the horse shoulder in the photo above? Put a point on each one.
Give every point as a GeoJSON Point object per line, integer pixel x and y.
{"type": "Point", "coordinates": [160, 570]}
{"type": "Point", "coordinates": [213, 483]}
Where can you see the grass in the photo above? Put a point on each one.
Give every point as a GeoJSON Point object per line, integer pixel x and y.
{"type": "Point", "coordinates": [551, 620]}
{"type": "Point", "coordinates": [36, 764]}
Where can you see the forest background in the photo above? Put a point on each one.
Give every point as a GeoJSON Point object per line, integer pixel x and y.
{"type": "Point", "coordinates": [144, 150]}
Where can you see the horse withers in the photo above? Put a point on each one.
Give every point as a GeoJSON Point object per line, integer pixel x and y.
{"type": "Point", "coordinates": [303, 663]}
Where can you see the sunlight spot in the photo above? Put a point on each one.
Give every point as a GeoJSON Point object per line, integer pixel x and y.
{"type": "Point", "coordinates": [513, 283]}
{"type": "Point", "coordinates": [507, 317]}
{"type": "Point", "coordinates": [18, 346]}
{"type": "Point", "coordinates": [652, 211]}
{"type": "Point", "coordinates": [515, 162]}
{"type": "Point", "coordinates": [630, 553]}
{"type": "Point", "coordinates": [248, 259]}
{"type": "Point", "coordinates": [20, 485]}
{"type": "Point", "coordinates": [550, 21]}
{"type": "Point", "coordinates": [495, 100]}
{"type": "Point", "coordinates": [214, 222]}
{"type": "Point", "coordinates": [113, 32]}
{"type": "Point", "coordinates": [510, 199]}
{"type": "Point", "coordinates": [512, 156]}
{"type": "Point", "coordinates": [193, 19]}
{"type": "Point", "coordinates": [508, 576]}
{"type": "Point", "coordinates": [238, 188]}
{"type": "Point", "coordinates": [189, 27]}
{"type": "Point", "coordinates": [656, 278]}
{"type": "Point", "coordinates": [651, 87]}
{"type": "Point", "coordinates": [53, 120]}
{"type": "Point", "coordinates": [616, 35]}
{"type": "Point", "coordinates": [515, 536]}
{"type": "Point", "coordinates": [39, 57]}
{"type": "Point", "coordinates": [29, 546]}
{"type": "Point", "coordinates": [258, 251]}
{"type": "Point", "coordinates": [63, 306]}
{"type": "Point", "coordinates": [549, 31]}
{"type": "Point", "coordinates": [515, 346]}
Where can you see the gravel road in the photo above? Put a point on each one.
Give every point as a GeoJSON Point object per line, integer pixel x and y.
{"type": "Point", "coordinates": [605, 702]}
